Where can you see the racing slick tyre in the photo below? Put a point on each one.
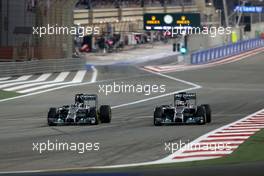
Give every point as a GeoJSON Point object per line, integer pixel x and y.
{"type": "Point", "coordinates": [207, 112]}
{"type": "Point", "coordinates": [52, 116]}
{"type": "Point", "coordinates": [157, 114]}
{"type": "Point", "coordinates": [105, 114]}
{"type": "Point", "coordinates": [201, 113]}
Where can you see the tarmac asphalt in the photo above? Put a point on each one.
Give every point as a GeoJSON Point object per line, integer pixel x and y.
{"type": "Point", "coordinates": [233, 90]}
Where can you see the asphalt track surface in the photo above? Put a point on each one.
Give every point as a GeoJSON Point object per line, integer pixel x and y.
{"type": "Point", "coordinates": [233, 90]}
{"type": "Point", "coordinates": [243, 169]}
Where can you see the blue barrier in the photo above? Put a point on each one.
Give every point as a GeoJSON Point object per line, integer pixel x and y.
{"type": "Point", "coordinates": [218, 53]}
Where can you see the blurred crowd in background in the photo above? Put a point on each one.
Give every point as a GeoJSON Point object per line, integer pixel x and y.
{"type": "Point", "coordinates": [88, 4]}
{"type": "Point", "coordinates": [114, 42]}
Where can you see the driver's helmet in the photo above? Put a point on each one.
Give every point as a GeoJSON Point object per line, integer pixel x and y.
{"type": "Point", "coordinates": [183, 99]}
{"type": "Point", "coordinates": [87, 106]}
{"type": "Point", "coordinates": [77, 98]}
{"type": "Point", "coordinates": [181, 103]}
{"type": "Point", "coordinates": [80, 105]}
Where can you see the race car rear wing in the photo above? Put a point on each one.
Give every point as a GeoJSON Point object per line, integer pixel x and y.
{"type": "Point", "coordinates": [89, 97]}
{"type": "Point", "coordinates": [86, 97]}
{"type": "Point", "coordinates": [184, 96]}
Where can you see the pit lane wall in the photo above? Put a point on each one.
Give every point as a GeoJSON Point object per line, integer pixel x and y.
{"type": "Point", "coordinates": [41, 66]}
{"type": "Point", "coordinates": [222, 52]}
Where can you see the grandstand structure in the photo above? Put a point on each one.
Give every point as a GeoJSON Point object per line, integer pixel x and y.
{"type": "Point", "coordinates": [126, 17]}
{"type": "Point", "coordinates": [118, 16]}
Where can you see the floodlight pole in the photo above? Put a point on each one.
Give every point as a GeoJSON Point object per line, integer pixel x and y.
{"type": "Point", "coordinates": [226, 13]}
{"type": "Point", "coordinates": [240, 14]}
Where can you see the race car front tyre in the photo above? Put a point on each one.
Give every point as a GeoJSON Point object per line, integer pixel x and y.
{"type": "Point", "coordinates": [207, 112]}
{"type": "Point", "coordinates": [202, 114]}
{"type": "Point", "coordinates": [105, 114]}
{"type": "Point", "coordinates": [52, 116]}
{"type": "Point", "coordinates": [157, 115]}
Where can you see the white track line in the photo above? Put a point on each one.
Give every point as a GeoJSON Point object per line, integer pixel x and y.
{"type": "Point", "coordinates": [61, 77]}
{"type": "Point", "coordinates": [195, 86]}
{"type": "Point", "coordinates": [79, 76]}
{"type": "Point", "coordinates": [198, 158]}
{"type": "Point", "coordinates": [42, 77]}
{"type": "Point", "coordinates": [94, 77]}
{"type": "Point", "coordinates": [247, 125]}
{"type": "Point", "coordinates": [259, 118]}
{"type": "Point", "coordinates": [77, 79]}
{"type": "Point", "coordinates": [95, 73]}
{"type": "Point", "coordinates": [241, 128]}
{"type": "Point", "coordinates": [5, 78]}
{"type": "Point", "coordinates": [21, 78]}
{"type": "Point", "coordinates": [232, 134]}
{"type": "Point", "coordinates": [53, 89]}
{"type": "Point", "coordinates": [212, 148]}
{"type": "Point", "coordinates": [207, 152]}
{"type": "Point", "coordinates": [222, 133]}
{"type": "Point", "coordinates": [227, 137]}
{"type": "Point", "coordinates": [253, 120]}
{"type": "Point", "coordinates": [153, 98]}
{"type": "Point", "coordinates": [176, 79]}
{"type": "Point", "coordinates": [240, 131]}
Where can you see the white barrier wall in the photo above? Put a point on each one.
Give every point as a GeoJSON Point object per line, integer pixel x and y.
{"type": "Point", "coordinates": [222, 52]}
{"type": "Point", "coordinates": [201, 42]}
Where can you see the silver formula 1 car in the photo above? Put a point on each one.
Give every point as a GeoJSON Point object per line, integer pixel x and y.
{"type": "Point", "coordinates": [84, 111]}
{"type": "Point", "coordinates": [184, 111]}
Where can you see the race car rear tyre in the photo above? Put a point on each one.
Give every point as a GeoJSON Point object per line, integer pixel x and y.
{"type": "Point", "coordinates": [201, 113]}
{"type": "Point", "coordinates": [105, 114]}
{"type": "Point", "coordinates": [207, 112]}
{"type": "Point", "coordinates": [52, 116]}
{"type": "Point", "coordinates": [157, 114]}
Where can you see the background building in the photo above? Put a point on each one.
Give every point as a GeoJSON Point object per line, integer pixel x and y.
{"type": "Point", "coordinates": [16, 19]}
